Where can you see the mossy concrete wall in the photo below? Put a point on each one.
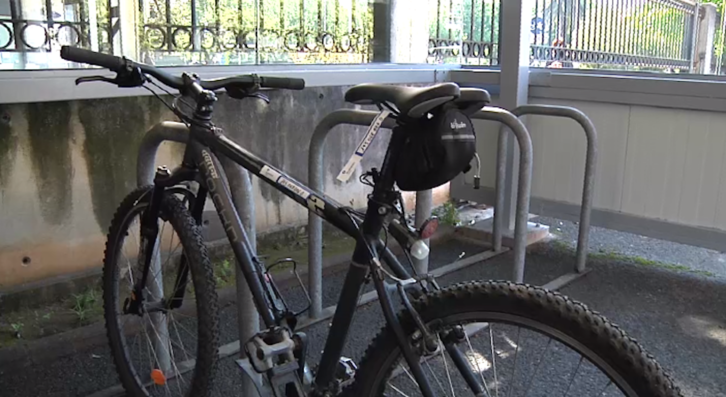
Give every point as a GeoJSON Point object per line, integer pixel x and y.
{"type": "Point", "coordinates": [65, 166]}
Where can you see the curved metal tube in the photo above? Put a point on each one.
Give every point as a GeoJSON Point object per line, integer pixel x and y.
{"type": "Point", "coordinates": [164, 131]}
{"type": "Point", "coordinates": [316, 181]}
{"type": "Point", "coordinates": [523, 188]}
{"type": "Point", "coordinates": [590, 169]}
{"type": "Point", "coordinates": [242, 196]}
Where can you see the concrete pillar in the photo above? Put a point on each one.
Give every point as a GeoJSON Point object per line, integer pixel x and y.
{"type": "Point", "coordinates": [409, 31]}
{"type": "Point", "coordinates": [92, 25]}
{"type": "Point", "coordinates": [514, 84]}
{"type": "Point", "coordinates": [705, 41]}
{"type": "Point", "coordinates": [381, 30]}
{"type": "Point", "coordinates": [127, 37]}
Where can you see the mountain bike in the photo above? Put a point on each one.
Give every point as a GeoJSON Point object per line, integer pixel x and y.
{"type": "Point", "coordinates": [482, 338]}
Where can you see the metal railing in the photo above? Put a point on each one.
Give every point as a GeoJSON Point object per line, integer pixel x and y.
{"type": "Point", "coordinates": [465, 31]}
{"type": "Point", "coordinates": [271, 31]}
{"type": "Point", "coordinates": [197, 31]}
{"type": "Point", "coordinates": [44, 29]}
{"type": "Point", "coordinates": [647, 34]}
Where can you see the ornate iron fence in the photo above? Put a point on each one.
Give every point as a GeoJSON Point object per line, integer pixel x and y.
{"type": "Point", "coordinates": [195, 31]}
{"type": "Point", "coordinates": [632, 34]}
{"type": "Point", "coordinates": [44, 28]}
{"type": "Point", "coordinates": [268, 30]}
{"type": "Point", "coordinates": [464, 31]}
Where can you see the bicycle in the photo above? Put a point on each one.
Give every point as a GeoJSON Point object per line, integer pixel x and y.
{"type": "Point", "coordinates": [499, 324]}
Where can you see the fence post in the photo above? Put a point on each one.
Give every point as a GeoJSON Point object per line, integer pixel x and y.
{"type": "Point", "coordinates": [381, 30]}
{"type": "Point", "coordinates": [705, 40]}
{"type": "Point", "coordinates": [691, 29]}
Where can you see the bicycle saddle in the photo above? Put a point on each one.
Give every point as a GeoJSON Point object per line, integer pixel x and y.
{"type": "Point", "coordinates": [471, 100]}
{"type": "Point", "coordinates": [413, 102]}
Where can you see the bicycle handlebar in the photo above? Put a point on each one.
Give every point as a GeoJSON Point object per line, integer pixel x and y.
{"type": "Point", "coordinates": [119, 65]}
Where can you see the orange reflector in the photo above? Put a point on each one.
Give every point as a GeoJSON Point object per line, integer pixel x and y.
{"type": "Point", "coordinates": [158, 377]}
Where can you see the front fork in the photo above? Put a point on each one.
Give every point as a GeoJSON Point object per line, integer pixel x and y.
{"type": "Point", "coordinates": [149, 240]}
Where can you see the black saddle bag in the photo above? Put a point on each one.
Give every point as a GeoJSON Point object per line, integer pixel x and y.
{"type": "Point", "coordinates": [437, 148]}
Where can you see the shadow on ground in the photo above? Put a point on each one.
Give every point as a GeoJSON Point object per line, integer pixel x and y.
{"type": "Point", "coordinates": [679, 317]}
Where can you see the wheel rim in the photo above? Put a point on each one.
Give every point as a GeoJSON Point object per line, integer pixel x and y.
{"type": "Point", "coordinates": [140, 337]}
{"type": "Point", "coordinates": [509, 359]}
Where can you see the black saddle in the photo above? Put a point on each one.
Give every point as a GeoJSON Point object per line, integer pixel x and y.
{"type": "Point", "coordinates": [414, 102]}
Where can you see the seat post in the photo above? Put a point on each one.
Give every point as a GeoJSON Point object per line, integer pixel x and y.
{"type": "Point", "coordinates": [387, 177]}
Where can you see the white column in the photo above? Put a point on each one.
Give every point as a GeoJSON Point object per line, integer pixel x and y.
{"type": "Point", "coordinates": [409, 31]}
{"type": "Point", "coordinates": [514, 50]}
{"type": "Point", "coordinates": [129, 32]}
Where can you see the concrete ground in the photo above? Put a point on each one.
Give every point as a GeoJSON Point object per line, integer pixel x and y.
{"type": "Point", "coordinates": [676, 314]}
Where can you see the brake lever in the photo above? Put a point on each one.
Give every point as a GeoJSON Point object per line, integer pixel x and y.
{"type": "Point", "coordinates": [129, 77]}
{"type": "Point", "coordinates": [89, 79]}
{"type": "Point", "coordinates": [261, 96]}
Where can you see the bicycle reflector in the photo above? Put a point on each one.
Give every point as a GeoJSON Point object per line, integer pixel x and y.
{"type": "Point", "coordinates": [428, 228]}
{"type": "Point", "coordinates": [158, 377]}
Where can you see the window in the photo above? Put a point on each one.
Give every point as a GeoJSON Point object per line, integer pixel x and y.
{"type": "Point", "coordinates": [246, 32]}
{"type": "Point", "coordinates": [464, 32]}
{"type": "Point", "coordinates": [674, 36]}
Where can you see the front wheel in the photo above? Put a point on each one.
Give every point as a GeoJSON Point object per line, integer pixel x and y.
{"type": "Point", "coordinates": [166, 343]}
{"type": "Point", "coordinates": [507, 339]}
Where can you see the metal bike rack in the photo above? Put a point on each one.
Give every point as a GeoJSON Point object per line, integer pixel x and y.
{"type": "Point", "coordinates": [590, 169]}
{"type": "Point", "coordinates": [242, 196]}
{"type": "Point", "coordinates": [524, 184]}
{"type": "Point", "coordinates": [316, 181]}
{"type": "Point", "coordinates": [364, 118]}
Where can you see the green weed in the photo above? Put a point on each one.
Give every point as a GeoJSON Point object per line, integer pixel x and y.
{"type": "Point", "coordinates": [613, 256]}
{"type": "Point", "coordinates": [17, 329]}
{"type": "Point", "coordinates": [85, 304]}
{"type": "Point", "coordinates": [448, 214]}
{"type": "Point", "coordinates": [224, 273]}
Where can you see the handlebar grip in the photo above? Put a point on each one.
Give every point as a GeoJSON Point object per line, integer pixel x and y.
{"type": "Point", "coordinates": [282, 82]}
{"type": "Point", "coordinates": [80, 55]}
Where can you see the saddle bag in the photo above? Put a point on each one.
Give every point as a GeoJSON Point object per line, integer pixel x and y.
{"type": "Point", "coordinates": [437, 148]}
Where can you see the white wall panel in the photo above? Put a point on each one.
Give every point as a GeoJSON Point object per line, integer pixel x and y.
{"type": "Point", "coordinates": [662, 164]}
{"type": "Point", "coordinates": [559, 153]}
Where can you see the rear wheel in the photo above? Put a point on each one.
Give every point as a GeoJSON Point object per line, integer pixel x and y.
{"type": "Point", "coordinates": [169, 346]}
{"type": "Point", "coordinates": [507, 339]}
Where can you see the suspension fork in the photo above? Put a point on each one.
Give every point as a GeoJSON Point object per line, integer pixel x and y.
{"type": "Point", "coordinates": [149, 237]}
{"type": "Point", "coordinates": [182, 277]}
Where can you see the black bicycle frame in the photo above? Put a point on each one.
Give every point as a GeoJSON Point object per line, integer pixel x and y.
{"type": "Point", "coordinates": [207, 143]}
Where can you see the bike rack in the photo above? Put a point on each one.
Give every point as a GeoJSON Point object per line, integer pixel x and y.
{"type": "Point", "coordinates": [242, 196]}
{"type": "Point", "coordinates": [588, 180]}
{"type": "Point", "coordinates": [364, 118]}
{"type": "Point", "coordinates": [523, 188]}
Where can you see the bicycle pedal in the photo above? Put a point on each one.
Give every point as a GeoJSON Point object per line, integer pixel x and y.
{"type": "Point", "coordinates": [345, 373]}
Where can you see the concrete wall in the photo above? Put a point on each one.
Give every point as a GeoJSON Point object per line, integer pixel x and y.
{"type": "Point", "coordinates": [65, 166]}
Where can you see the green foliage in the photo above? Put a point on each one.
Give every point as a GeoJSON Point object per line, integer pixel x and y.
{"type": "Point", "coordinates": [448, 214]}
{"type": "Point", "coordinates": [85, 305]}
{"type": "Point", "coordinates": [17, 329]}
{"type": "Point", "coordinates": [224, 273]}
